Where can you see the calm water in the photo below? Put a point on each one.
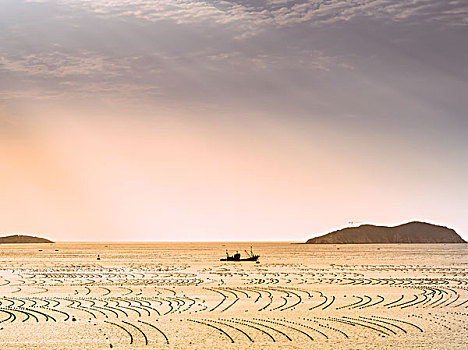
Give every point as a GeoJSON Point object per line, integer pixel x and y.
{"type": "Point", "coordinates": [179, 295]}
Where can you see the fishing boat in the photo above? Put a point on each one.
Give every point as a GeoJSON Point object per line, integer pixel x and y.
{"type": "Point", "coordinates": [237, 256]}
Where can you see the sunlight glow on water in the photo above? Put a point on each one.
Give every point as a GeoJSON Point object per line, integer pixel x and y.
{"type": "Point", "coordinates": [179, 295]}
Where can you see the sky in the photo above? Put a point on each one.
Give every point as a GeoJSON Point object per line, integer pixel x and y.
{"type": "Point", "coordinates": [266, 120]}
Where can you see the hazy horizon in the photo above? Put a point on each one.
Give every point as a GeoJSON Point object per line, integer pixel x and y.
{"type": "Point", "coordinates": [221, 241]}
{"type": "Point", "coordinates": [270, 120]}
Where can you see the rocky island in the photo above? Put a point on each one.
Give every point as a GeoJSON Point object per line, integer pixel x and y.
{"type": "Point", "coordinates": [412, 232]}
{"type": "Point", "coordinates": [23, 239]}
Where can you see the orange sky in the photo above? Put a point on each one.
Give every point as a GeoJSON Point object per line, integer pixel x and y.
{"type": "Point", "coordinates": [101, 179]}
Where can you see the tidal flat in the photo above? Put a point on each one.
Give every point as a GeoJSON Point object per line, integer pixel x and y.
{"type": "Point", "coordinates": [180, 296]}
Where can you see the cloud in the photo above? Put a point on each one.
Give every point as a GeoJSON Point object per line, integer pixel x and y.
{"type": "Point", "coordinates": [60, 64]}
{"type": "Point", "coordinates": [270, 62]}
{"type": "Point", "coordinates": [80, 73]}
{"type": "Point", "coordinates": [259, 15]}
{"type": "Point", "coordinates": [235, 54]}
{"type": "Point", "coordinates": [63, 76]}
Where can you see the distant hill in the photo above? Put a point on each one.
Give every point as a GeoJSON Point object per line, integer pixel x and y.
{"type": "Point", "coordinates": [412, 232]}
{"type": "Point", "coordinates": [23, 239]}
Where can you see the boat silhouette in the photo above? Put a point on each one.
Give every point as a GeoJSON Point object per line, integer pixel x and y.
{"type": "Point", "coordinates": [237, 256]}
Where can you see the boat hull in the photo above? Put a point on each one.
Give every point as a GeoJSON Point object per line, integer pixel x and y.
{"type": "Point", "coordinates": [252, 258]}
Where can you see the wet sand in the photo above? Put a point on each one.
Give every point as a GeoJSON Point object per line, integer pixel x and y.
{"type": "Point", "coordinates": [180, 296]}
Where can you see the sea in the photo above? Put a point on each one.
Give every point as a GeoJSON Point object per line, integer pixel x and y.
{"type": "Point", "coordinates": [105, 295]}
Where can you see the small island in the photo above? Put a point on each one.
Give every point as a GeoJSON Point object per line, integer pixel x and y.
{"type": "Point", "coordinates": [412, 232]}
{"type": "Point", "coordinates": [15, 239]}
